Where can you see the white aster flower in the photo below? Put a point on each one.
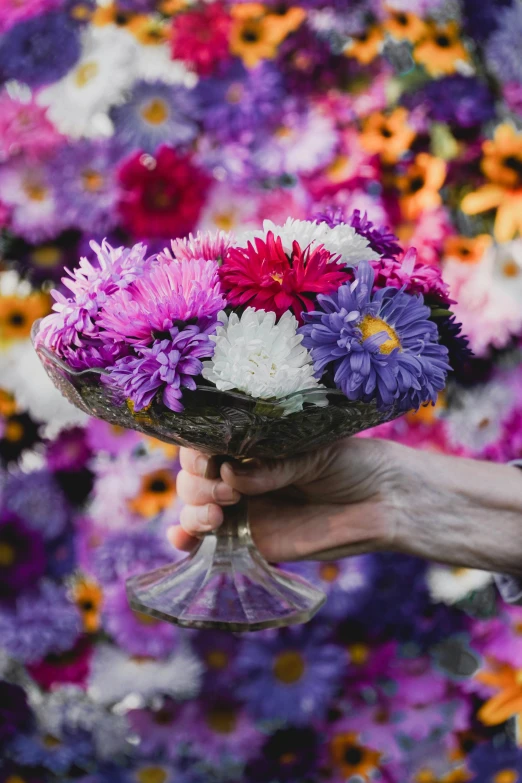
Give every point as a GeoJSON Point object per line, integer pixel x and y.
{"type": "Point", "coordinates": [475, 420]}
{"type": "Point", "coordinates": [260, 357]}
{"type": "Point", "coordinates": [28, 190]}
{"type": "Point", "coordinates": [342, 240]}
{"type": "Point", "coordinates": [154, 63]}
{"type": "Point", "coordinates": [114, 675]}
{"type": "Point", "coordinates": [228, 209]}
{"type": "Point", "coordinates": [78, 103]}
{"type": "Point", "coordinates": [449, 585]}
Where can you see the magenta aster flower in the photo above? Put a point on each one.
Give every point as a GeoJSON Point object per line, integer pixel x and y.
{"type": "Point", "coordinates": [25, 129]}
{"type": "Point", "coordinates": [205, 244]}
{"type": "Point", "coordinates": [411, 274]}
{"type": "Point", "coordinates": [170, 365]}
{"type": "Point", "coordinates": [13, 11]}
{"type": "Point", "coordinates": [263, 276]}
{"type": "Point", "coordinates": [170, 293]}
{"type": "Point", "coordinates": [22, 556]}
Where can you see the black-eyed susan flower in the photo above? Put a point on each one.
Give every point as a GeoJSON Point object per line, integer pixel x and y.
{"type": "Point", "coordinates": [87, 594]}
{"type": "Point", "coordinates": [405, 26]}
{"type": "Point", "coordinates": [285, 18]}
{"type": "Point", "coordinates": [467, 250]}
{"type": "Point", "coordinates": [387, 135]}
{"type": "Point", "coordinates": [366, 46]}
{"type": "Point", "coordinates": [420, 185]}
{"type": "Point", "coordinates": [255, 35]}
{"type": "Point", "coordinates": [441, 50]}
{"type": "Point", "coordinates": [17, 314]}
{"type": "Point", "coordinates": [158, 490]}
{"type": "Point", "coordinates": [113, 14]}
{"type": "Point", "coordinates": [351, 758]}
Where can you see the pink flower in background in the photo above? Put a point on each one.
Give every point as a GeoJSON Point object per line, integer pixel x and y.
{"type": "Point", "coordinates": [25, 129]}
{"type": "Point", "coordinates": [427, 234]}
{"type": "Point", "coordinates": [204, 245]}
{"type": "Point", "coordinates": [14, 11]}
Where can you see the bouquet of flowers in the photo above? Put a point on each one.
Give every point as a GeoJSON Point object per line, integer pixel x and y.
{"type": "Point", "coordinates": [266, 344]}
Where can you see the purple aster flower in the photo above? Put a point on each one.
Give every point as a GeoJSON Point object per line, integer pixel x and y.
{"type": "Point", "coordinates": [156, 113]}
{"type": "Point", "coordinates": [39, 50]}
{"type": "Point", "coordinates": [346, 582]}
{"type": "Point", "coordinates": [380, 346]}
{"type": "Point", "coordinates": [382, 240]}
{"type": "Point", "coordinates": [462, 101]}
{"type": "Point", "coordinates": [217, 651]}
{"type": "Point", "coordinates": [503, 47]}
{"type": "Point", "coordinates": [86, 189]}
{"type": "Point", "coordinates": [69, 451]}
{"type": "Point", "coordinates": [156, 726]}
{"type": "Point", "coordinates": [129, 552]}
{"type": "Point", "coordinates": [171, 292]}
{"type": "Point", "coordinates": [61, 556]}
{"type": "Point", "coordinates": [482, 19]}
{"type": "Point", "coordinates": [58, 756]}
{"type": "Point", "coordinates": [170, 365]}
{"type": "Point", "coordinates": [290, 754]}
{"type": "Point", "coordinates": [218, 728]}
{"type": "Point", "coordinates": [38, 500]}
{"type": "Point", "coordinates": [489, 760]}
{"type": "Point", "coordinates": [240, 100]}
{"type": "Point", "coordinates": [15, 713]}
{"type": "Point", "coordinates": [22, 556]}
{"type": "Point", "coordinates": [134, 632]}
{"type": "Point", "coordinates": [40, 623]}
{"type": "Point", "coordinates": [288, 675]}
{"type": "Point", "coordinates": [102, 436]}
{"type": "Point", "coordinates": [45, 261]}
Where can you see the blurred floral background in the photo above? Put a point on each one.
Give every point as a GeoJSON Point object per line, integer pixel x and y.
{"type": "Point", "coordinates": [150, 119]}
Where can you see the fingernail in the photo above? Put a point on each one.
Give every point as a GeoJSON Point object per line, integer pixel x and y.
{"type": "Point", "coordinates": [201, 465]}
{"type": "Point", "coordinates": [214, 517]}
{"type": "Point", "coordinates": [245, 467]}
{"type": "Point", "coordinates": [224, 493]}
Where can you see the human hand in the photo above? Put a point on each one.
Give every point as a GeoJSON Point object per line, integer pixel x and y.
{"type": "Point", "coordinates": [325, 504]}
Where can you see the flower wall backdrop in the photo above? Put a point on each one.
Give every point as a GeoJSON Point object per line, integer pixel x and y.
{"type": "Point", "coordinates": [146, 120]}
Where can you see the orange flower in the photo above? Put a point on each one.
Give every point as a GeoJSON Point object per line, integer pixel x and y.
{"type": "Point", "coordinates": [365, 47]}
{"type": "Point", "coordinates": [467, 250]}
{"type": "Point", "coordinates": [508, 220]}
{"type": "Point", "coordinates": [172, 7]}
{"type": "Point", "coordinates": [405, 26]}
{"type": "Point", "coordinates": [80, 11]}
{"type": "Point", "coordinates": [427, 414]}
{"type": "Point", "coordinates": [387, 135]}
{"type": "Point", "coordinates": [7, 403]}
{"type": "Point", "coordinates": [420, 185]}
{"type": "Point", "coordinates": [286, 19]}
{"type": "Point", "coordinates": [158, 490]}
{"type": "Point", "coordinates": [169, 449]}
{"type": "Point", "coordinates": [351, 758]}
{"type": "Point", "coordinates": [255, 36]}
{"type": "Point", "coordinates": [17, 314]}
{"type": "Point", "coordinates": [88, 596]}
{"type": "Point", "coordinates": [440, 49]}
{"type": "Point", "coordinates": [149, 30]}
{"type": "Point", "coordinates": [111, 14]}
{"type": "Point", "coordinates": [508, 701]}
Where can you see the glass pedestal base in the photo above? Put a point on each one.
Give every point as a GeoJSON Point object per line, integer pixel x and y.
{"type": "Point", "coordinates": [225, 584]}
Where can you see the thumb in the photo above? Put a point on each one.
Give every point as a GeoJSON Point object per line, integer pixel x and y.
{"type": "Point", "coordinates": [255, 477]}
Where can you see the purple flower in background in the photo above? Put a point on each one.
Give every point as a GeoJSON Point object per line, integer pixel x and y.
{"type": "Point", "coordinates": [240, 100]}
{"type": "Point", "coordinates": [15, 713]}
{"type": "Point", "coordinates": [69, 451]}
{"type": "Point", "coordinates": [288, 675]}
{"type": "Point", "coordinates": [156, 726]}
{"type": "Point", "coordinates": [170, 365]}
{"type": "Point", "coordinates": [458, 100]}
{"type": "Point", "coordinates": [35, 750]}
{"type": "Point", "coordinates": [503, 47]}
{"type": "Point", "coordinates": [22, 556]}
{"type": "Point", "coordinates": [39, 50]}
{"type": "Point", "coordinates": [102, 436]}
{"type": "Point", "coordinates": [380, 346]}
{"type": "Point", "coordinates": [172, 292]}
{"type": "Point", "coordinates": [129, 552]}
{"type": "Point", "coordinates": [156, 113]}
{"type": "Point", "coordinates": [136, 633]}
{"type": "Point", "coordinates": [86, 189]}
{"type": "Point", "coordinates": [13, 11]}
{"type": "Point", "coordinates": [486, 762]}
{"type": "Point", "coordinates": [289, 755]}
{"type": "Point", "coordinates": [38, 500]}
{"type": "Point", "coordinates": [217, 651]}
{"type": "Point", "coordinates": [41, 622]}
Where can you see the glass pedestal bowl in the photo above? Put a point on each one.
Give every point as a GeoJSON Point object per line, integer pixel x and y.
{"type": "Point", "coordinates": [225, 582]}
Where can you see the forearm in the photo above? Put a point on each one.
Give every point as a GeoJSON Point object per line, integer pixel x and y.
{"type": "Point", "coordinates": [458, 511]}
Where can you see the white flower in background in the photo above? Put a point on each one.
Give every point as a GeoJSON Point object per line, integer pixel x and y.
{"type": "Point", "coordinates": [153, 62]}
{"type": "Point", "coordinates": [507, 265]}
{"type": "Point", "coordinates": [114, 675]}
{"type": "Point", "coordinates": [342, 240]}
{"type": "Point", "coordinates": [449, 585]}
{"type": "Point", "coordinates": [475, 419]}
{"type": "Point", "coordinates": [228, 209]}
{"type": "Point", "coordinates": [23, 375]}
{"type": "Point", "coordinates": [69, 710]}
{"type": "Point", "coordinates": [260, 357]}
{"type": "Point", "coordinates": [78, 103]}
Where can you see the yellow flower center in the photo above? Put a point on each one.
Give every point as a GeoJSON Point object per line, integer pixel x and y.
{"type": "Point", "coordinates": [86, 73]}
{"type": "Point", "coordinates": [51, 741]}
{"type": "Point", "coordinates": [289, 667]}
{"type": "Point", "coordinates": [288, 758]}
{"type": "Point", "coordinates": [7, 555]}
{"type": "Point", "coordinates": [506, 776]}
{"type": "Point", "coordinates": [510, 268]}
{"type": "Point", "coordinates": [359, 654]}
{"type": "Point", "coordinates": [371, 325]}
{"type": "Point", "coordinates": [145, 619]}
{"type": "Point", "coordinates": [235, 93]}
{"type": "Point", "coordinates": [329, 572]}
{"type": "Point", "coordinates": [35, 192]}
{"type": "Point", "coordinates": [224, 221]}
{"type": "Point", "coordinates": [14, 779]}
{"type": "Point", "coordinates": [92, 180]}
{"type": "Point", "coordinates": [425, 776]}
{"type": "Point", "coordinates": [277, 277]}
{"type": "Point", "coordinates": [46, 256]}
{"type": "Point", "coordinates": [81, 12]}
{"type": "Point", "coordinates": [13, 431]}
{"type": "Point", "coordinates": [222, 721]}
{"type": "Point", "coordinates": [217, 659]}
{"type": "Point", "coordinates": [151, 775]}
{"type": "Point", "coordinates": [155, 112]}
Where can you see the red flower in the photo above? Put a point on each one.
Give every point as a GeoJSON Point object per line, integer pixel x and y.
{"type": "Point", "coordinates": [200, 38]}
{"type": "Point", "coordinates": [71, 667]}
{"type": "Point", "coordinates": [161, 196]}
{"type": "Point", "coordinates": [264, 277]}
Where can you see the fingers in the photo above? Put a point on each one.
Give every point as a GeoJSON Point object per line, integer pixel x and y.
{"type": "Point", "coordinates": [196, 520]}
{"type": "Point", "coordinates": [198, 491]}
{"type": "Point", "coordinates": [255, 478]}
{"type": "Point", "coordinates": [180, 539]}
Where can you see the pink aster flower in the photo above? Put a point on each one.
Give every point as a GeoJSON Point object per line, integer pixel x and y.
{"type": "Point", "coordinates": [14, 11]}
{"type": "Point", "coordinates": [263, 276]}
{"type": "Point", "coordinates": [428, 234]}
{"type": "Point", "coordinates": [205, 244]}
{"type": "Point", "coordinates": [169, 293]}
{"type": "Point", "coordinates": [24, 127]}
{"type": "Point", "coordinates": [503, 641]}
{"type": "Point", "coordinates": [416, 277]}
